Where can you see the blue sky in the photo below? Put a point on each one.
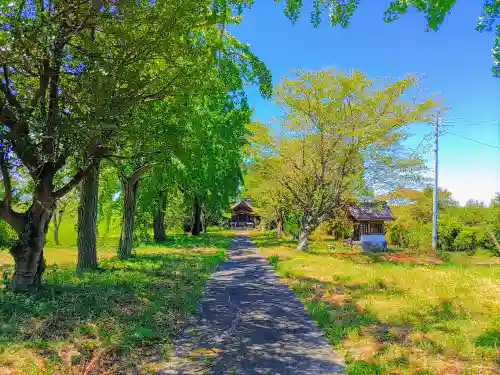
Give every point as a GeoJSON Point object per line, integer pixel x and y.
{"type": "Point", "coordinates": [455, 60]}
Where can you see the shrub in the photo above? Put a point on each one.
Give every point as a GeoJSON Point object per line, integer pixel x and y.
{"type": "Point", "coordinates": [398, 234]}
{"type": "Point", "coordinates": [273, 260]}
{"type": "Point", "coordinates": [447, 233]}
{"type": "Point", "coordinates": [484, 239]}
{"type": "Point", "coordinates": [420, 237]}
{"type": "Point", "coordinates": [488, 339]}
{"type": "Point", "coordinates": [412, 236]}
{"type": "Point", "coordinates": [291, 224]}
{"type": "Point", "coordinates": [466, 240]}
{"type": "Point", "coordinates": [324, 229]}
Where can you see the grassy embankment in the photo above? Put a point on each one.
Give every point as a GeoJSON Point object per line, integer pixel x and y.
{"type": "Point", "coordinates": [397, 313]}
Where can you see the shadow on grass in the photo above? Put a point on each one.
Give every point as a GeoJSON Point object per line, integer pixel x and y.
{"type": "Point", "coordinates": [335, 307]}
{"type": "Point", "coordinates": [272, 242]}
{"type": "Point", "coordinates": [185, 240]}
{"type": "Point", "coordinates": [118, 318]}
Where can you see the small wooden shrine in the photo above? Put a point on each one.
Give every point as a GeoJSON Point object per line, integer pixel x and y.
{"type": "Point", "coordinates": [369, 222]}
{"type": "Point", "coordinates": [243, 215]}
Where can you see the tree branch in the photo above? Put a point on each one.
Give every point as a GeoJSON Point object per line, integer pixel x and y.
{"type": "Point", "coordinates": [7, 183]}
{"type": "Point", "coordinates": [134, 156]}
{"type": "Point", "coordinates": [495, 241]}
{"type": "Point", "coordinates": [79, 176]}
{"type": "Point", "coordinates": [19, 138]}
{"type": "Point", "coordinates": [11, 98]}
{"type": "Point", "coordinates": [292, 191]}
{"type": "Point", "coordinates": [44, 83]}
{"type": "Point", "coordinates": [139, 171]}
{"type": "Point", "coordinates": [163, 92]}
{"type": "Point", "coordinates": [61, 160]}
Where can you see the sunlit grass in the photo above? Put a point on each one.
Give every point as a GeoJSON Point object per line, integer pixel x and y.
{"type": "Point", "coordinates": [120, 319]}
{"type": "Point", "coordinates": [398, 315]}
{"type": "Point", "coordinates": [66, 252]}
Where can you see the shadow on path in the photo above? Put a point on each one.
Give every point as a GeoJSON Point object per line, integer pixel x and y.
{"type": "Point", "coordinates": [248, 322]}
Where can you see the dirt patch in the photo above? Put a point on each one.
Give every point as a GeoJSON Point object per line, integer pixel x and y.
{"type": "Point", "coordinates": [362, 350]}
{"type": "Point", "coordinates": [406, 258]}
{"type": "Point", "coordinates": [390, 333]}
{"type": "Point", "coordinates": [358, 257]}
{"type": "Point", "coordinates": [336, 299]}
{"type": "Point", "coordinates": [450, 370]}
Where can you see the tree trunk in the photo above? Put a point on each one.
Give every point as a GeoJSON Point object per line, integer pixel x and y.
{"type": "Point", "coordinates": [281, 226]}
{"type": "Point", "coordinates": [57, 215]}
{"type": "Point", "coordinates": [280, 223]}
{"type": "Point", "coordinates": [87, 221]}
{"type": "Point", "coordinates": [497, 245]}
{"type": "Point", "coordinates": [203, 222]}
{"type": "Point", "coordinates": [130, 188]}
{"type": "Point", "coordinates": [55, 218]}
{"type": "Point", "coordinates": [159, 220]}
{"type": "Point", "coordinates": [108, 224]}
{"type": "Point", "coordinates": [195, 231]}
{"type": "Point", "coordinates": [303, 244]}
{"type": "Point", "coordinates": [27, 251]}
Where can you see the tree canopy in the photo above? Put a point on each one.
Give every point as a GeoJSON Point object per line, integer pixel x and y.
{"type": "Point", "coordinates": [336, 129]}
{"type": "Point", "coordinates": [73, 74]}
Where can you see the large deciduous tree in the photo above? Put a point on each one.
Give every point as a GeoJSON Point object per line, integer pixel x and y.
{"type": "Point", "coordinates": [72, 70]}
{"type": "Point", "coordinates": [203, 131]}
{"type": "Point", "coordinates": [259, 183]}
{"type": "Point", "coordinates": [336, 128]}
{"type": "Point", "coordinates": [267, 192]}
{"type": "Point", "coordinates": [420, 202]}
{"type": "Point", "coordinates": [210, 169]}
{"type": "Point", "coordinates": [157, 188]}
{"type": "Point", "coordinates": [155, 132]}
{"type": "Point", "coordinates": [269, 195]}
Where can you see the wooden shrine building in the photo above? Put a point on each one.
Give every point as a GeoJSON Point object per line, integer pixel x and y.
{"type": "Point", "coordinates": [243, 215]}
{"type": "Point", "coordinates": [369, 222]}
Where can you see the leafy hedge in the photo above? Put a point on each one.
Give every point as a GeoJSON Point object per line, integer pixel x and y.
{"type": "Point", "coordinates": [447, 233]}
{"type": "Point", "coordinates": [407, 236]}
{"type": "Point", "coordinates": [452, 236]}
{"type": "Point", "coordinates": [466, 240]}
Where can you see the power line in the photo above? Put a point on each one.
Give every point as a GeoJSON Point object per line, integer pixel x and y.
{"type": "Point", "coordinates": [472, 119]}
{"type": "Point", "coordinates": [426, 136]}
{"type": "Point", "coordinates": [461, 117]}
{"type": "Point", "coordinates": [485, 124]}
{"type": "Point", "coordinates": [473, 140]}
{"type": "Point", "coordinates": [464, 121]}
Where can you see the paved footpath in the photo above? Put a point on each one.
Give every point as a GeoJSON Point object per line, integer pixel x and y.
{"type": "Point", "coordinates": [249, 322]}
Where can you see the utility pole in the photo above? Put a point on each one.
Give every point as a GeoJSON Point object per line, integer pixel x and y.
{"type": "Point", "coordinates": [435, 195]}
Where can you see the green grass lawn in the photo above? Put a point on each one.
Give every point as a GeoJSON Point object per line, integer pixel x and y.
{"type": "Point", "coordinates": [120, 319]}
{"type": "Point", "coordinates": [396, 313]}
